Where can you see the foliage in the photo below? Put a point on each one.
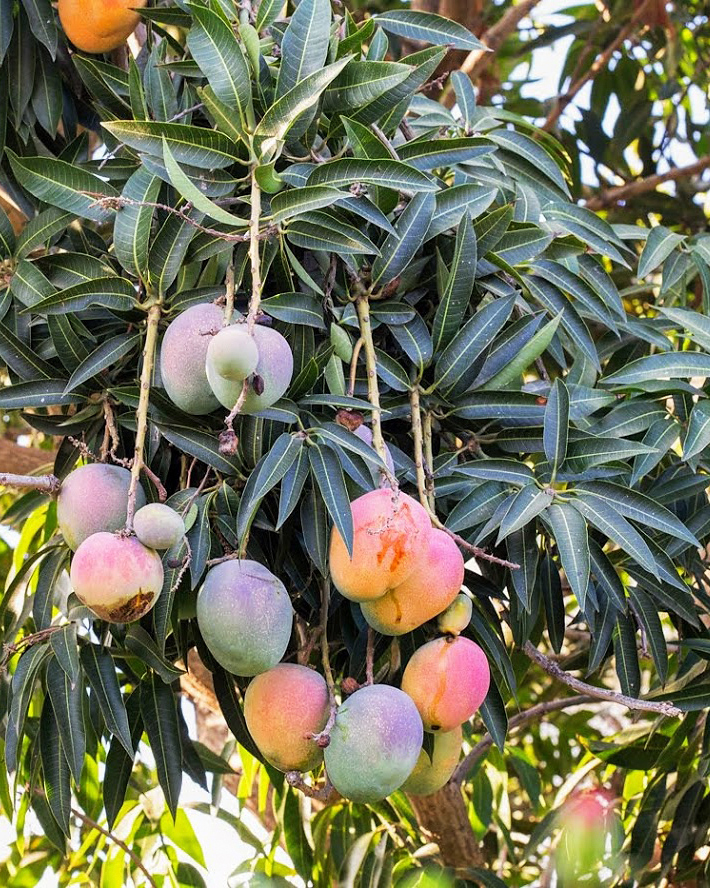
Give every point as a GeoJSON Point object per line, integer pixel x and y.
{"type": "Point", "coordinates": [557, 363]}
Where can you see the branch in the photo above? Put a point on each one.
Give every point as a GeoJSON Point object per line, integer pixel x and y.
{"type": "Point", "coordinates": [151, 342]}
{"type": "Point", "coordinates": [463, 769]}
{"type": "Point", "coordinates": [44, 483]}
{"type": "Point", "coordinates": [255, 262]}
{"type": "Point", "coordinates": [632, 189]}
{"type": "Point", "coordinates": [362, 306]}
{"type": "Point", "coordinates": [119, 842]}
{"type": "Point", "coordinates": [295, 780]}
{"type": "Point", "coordinates": [9, 650]}
{"type": "Point", "coordinates": [370, 657]}
{"type": "Point", "coordinates": [664, 708]}
{"type": "Point", "coordinates": [598, 65]}
{"type": "Point", "coordinates": [478, 59]}
{"type": "Point", "coordinates": [323, 737]}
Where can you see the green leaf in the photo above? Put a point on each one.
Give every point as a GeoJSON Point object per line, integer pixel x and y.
{"type": "Point", "coordinates": [295, 308]}
{"type": "Point", "coordinates": [399, 249]}
{"type": "Point", "coordinates": [281, 116]}
{"type": "Point", "coordinates": [605, 518]}
{"type": "Point", "coordinates": [525, 506]}
{"type": "Point", "coordinates": [216, 50]}
{"type": "Point", "coordinates": [7, 236]}
{"type": "Point", "coordinates": [270, 469]}
{"type": "Point", "coordinates": [645, 829]}
{"type": "Point", "coordinates": [39, 231]}
{"type": "Point", "coordinates": [660, 243]}
{"type": "Point", "coordinates": [304, 47]}
{"type": "Point", "coordinates": [431, 154]}
{"type": "Point", "coordinates": [328, 475]}
{"type": "Point", "coordinates": [158, 708]}
{"type": "Point", "coordinates": [587, 227]}
{"type": "Point", "coordinates": [142, 644]}
{"type": "Point", "coordinates": [169, 248]}
{"type": "Point", "coordinates": [119, 764]}
{"type": "Point", "coordinates": [590, 452]}
{"type": "Point", "coordinates": [41, 19]}
{"type": "Point", "coordinates": [41, 393]}
{"type": "Point", "coordinates": [66, 651]}
{"type": "Point", "coordinates": [553, 599]}
{"type": "Point", "coordinates": [647, 612]}
{"type": "Point", "coordinates": [323, 232]}
{"type": "Point", "coordinates": [362, 82]}
{"type": "Point", "coordinates": [131, 232]}
{"type": "Point", "coordinates": [570, 531]}
{"type": "Point", "coordinates": [301, 200]}
{"type": "Point", "coordinates": [506, 470]}
{"type": "Point", "coordinates": [428, 27]}
{"type": "Point", "coordinates": [671, 365]}
{"type": "Point", "coordinates": [697, 437]}
{"type": "Point", "coordinates": [63, 185]}
{"type": "Point", "coordinates": [626, 656]}
{"type": "Point", "coordinates": [202, 445]}
{"type": "Point", "coordinates": [477, 506]}
{"type": "Point", "coordinates": [113, 293]}
{"type": "Point", "coordinates": [458, 288]}
{"type": "Point", "coordinates": [532, 152]}
{"type": "Point", "coordinates": [494, 716]}
{"type": "Point", "coordinates": [47, 576]}
{"type": "Point", "coordinates": [100, 670]}
{"type": "Point", "coordinates": [67, 699]}
{"type": "Point", "coordinates": [454, 368]}
{"type": "Point", "coordinates": [695, 324]}
{"type": "Point", "coordinates": [292, 487]}
{"type": "Point", "coordinates": [228, 698]}
{"type": "Point", "coordinates": [268, 12]}
{"type": "Point", "coordinates": [387, 173]}
{"type": "Point", "coordinates": [222, 116]}
{"type": "Point", "coordinates": [192, 145]}
{"type": "Point", "coordinates": [295, 839]}
{"type": "Point", "coordinates": [102, 357]}
{"type": "Point", "coordinates": [556, 426]}
{"type": "Point", "coordinates": [55, 769]}
{"type": "Point", "coordinates": [523, 551]}
{"type": "Point", "coordinates": [23, 683]}
{"type": "Point", "coordinates": [187, 188]}
{"type": "Point", "coordinates": [20, 357]}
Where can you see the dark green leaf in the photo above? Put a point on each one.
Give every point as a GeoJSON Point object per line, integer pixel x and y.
{"type": "Point", "coordinates": [100, 670]}
{"type": "Point", "coordinates": [158, 709]}
{"type": "Point", "coordinates": [67, 699]}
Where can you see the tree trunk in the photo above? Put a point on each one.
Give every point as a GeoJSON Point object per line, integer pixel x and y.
{"type": "Point", "coordinates": [444, 815]}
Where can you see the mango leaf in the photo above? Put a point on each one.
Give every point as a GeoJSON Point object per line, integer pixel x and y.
{"type": "Point", "coordinates": [192, 145]}
{"type": "Point", "coordinates": [429, 27]}
{"type": "Point", "coordinates": [671, 365]}
{"type": "Point", "coordinates": [570, 532]}
{"type": "Point", "coordinates": [626, 656]}
{"type": "Point", "coordinates": [100, 670]}
{"type": "Point", "coordinates": [103, 356]}
{"type": "Point", "coordinates": [458, 288]}
{"type": "Point", "coordinates": [605, 518]}
{"type": "Point", "coordinates": [387, 173]}
{"type": "Point", "coordinates": [158, 709]}
{"type": "Point", "coordinates": [55, 769]}
{"type": "Point", "coordinates": [295, 201]}
{"type": "Point", "coordinates": [328, 475]}
{"type": "Point", "coordinates": [67, 700]}
{"type": "Point", "coordinates": [556, 425]}
{"type": "Point", "coordinates": [697, 437]}
{"type": "Point", "coordinates": [399, 249]}
{"type": "Point", "coordinates": [304, 46]}
{"type": "Point", "coordinates": [660, 243]}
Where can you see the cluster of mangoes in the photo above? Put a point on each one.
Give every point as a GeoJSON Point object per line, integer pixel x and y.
{"type": "Point", "coordinates": [204, 364]}
{"type": "Point", "coordinates": [117, 575]}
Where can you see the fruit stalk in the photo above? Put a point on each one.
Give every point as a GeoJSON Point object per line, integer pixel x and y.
{"type": "Point", "coordinates": [149, 349]}
{"type": "Point", "coordinates": [44, 483]}
{"type": "Point", "coordinates": [429, 457]}
{"type": "Point", "coordinates": [324, 735]}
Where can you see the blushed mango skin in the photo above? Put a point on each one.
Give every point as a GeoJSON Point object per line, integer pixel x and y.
{"type": "Point", "coordinates": [275, 367]}
{"type": "Point", "coordinates": [431, 588]}
{"type": "Point", "coordinates": [117, 577]}
{"type": "Point", "coordinates": [245, 616]}
{"type": "Point", "coordinates": [232, 353]}
{"type": "Point", "coordinates": [281, 706]}
{"type": "Point", "coordinates": [390, 540]}
{"type": "Point", "coordinates": [182, 358]}
{"type": "Point", "coordinates": [430, 774]}
{"type": "Point", "coordinates": [374, 744]}
{"type": "Point", "coordinates": [94, 499]}
{"type": "Point", "coordinates": [98, 25]}
{"type": "Point", "coordinates": [448, 679]}
{"type": "Point", "coordinates": [158, 526]}
{"type": "Point", "coordinates": [457, 615]}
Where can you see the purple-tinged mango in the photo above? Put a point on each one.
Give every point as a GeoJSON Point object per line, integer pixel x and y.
{"type": "Point", "coordinates": [374, 744]}
{"type": "Point", "coordinates": [274, 371]}
{"type": "Point", "coordinates": [94, 499]}
{"type": "Point", "coordinates": [390, 540]}
{"type": "Point", "coordinates": [182, 358]}
{"type": "Point", "coordinates": [448, 679]}
{"type": "Point", "coordinates": [430, 774]}
{"type": "Point", "coordinates": [158, 526]}
{"type": "Point", "coordinates": [427, 591]}
{"type": "Point", "coordinates": [281, 707]}
{"type": "Point", "coordinates": [457, 615]}
{"type": "Point", "coordinates": [245, 616]}
{"type": "Point", "coordinates": [232, 353]}
{"type": "Point", "coordinates": [116, 577]}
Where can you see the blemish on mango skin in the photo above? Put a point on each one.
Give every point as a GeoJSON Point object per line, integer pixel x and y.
{"type": "Point", "coordinates": [130, 610]}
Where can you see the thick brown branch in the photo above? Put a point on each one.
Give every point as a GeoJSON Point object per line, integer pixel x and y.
{"type": "Point", "coordinates": [44, 483]}
{"type": "Point", "coordinates": [614, 196]}
{"type": "Point", "coordinates": [664, 708]}
{"type": "Point", "coordinates": [478, 59]}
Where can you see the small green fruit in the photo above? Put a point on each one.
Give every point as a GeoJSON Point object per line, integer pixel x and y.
{"type": "Point", "coordinates": [158, 526]}
{"type": "Point", "coordinates": [457, 615]}
{"type": "Point", "coordinates": [232, 353]}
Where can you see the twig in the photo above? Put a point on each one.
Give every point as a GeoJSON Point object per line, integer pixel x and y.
{"type": "Point", "coordinates": [184, 113]}
{"type": "Point", "coordinates": [632, 189]}
{"type": "Point", "coordinates": [9, 650]}
{"type": "Point", "coordinates": [322, 738]}
{"type": "Point", "coordinates": [44, 483]}
{"type": "Point", "coordinates": [600, 63]}
{"type": "Point", "coordinates": [370, 657]}
{"type": "Point", "coordinates": [429, 459]}
{"type": "Point", "coordinates": [478, 59]}
{"type": "Point", "coordinates": [187, 561]}
{"type": "Point", "coordinates": [363, 313]}
{"type": "Point", "coordinates": [353, 366]}
{"type": "Point", "coordinates": [151, 341]}
{"type": "Point", "coordinates": [228, 439]}
{"type": "Point", "coordinates": [665, 708]}
{"type": "Point", "coordinates": [295, 780]}
{"type": "Point", "coordinates": [230, 292]}
{"type": "Point", "coordinates": [254, 259]}
{"type": "Point", "coordinates": [464, 768]}
{"type": "Point", "coordinates": [119, 842]}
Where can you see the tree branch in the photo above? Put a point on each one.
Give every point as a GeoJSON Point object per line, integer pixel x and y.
{"type": "Point", "coordinates": [119, 842]}
{"type": "Point", "coordinates": [665, 708]}
{"type": "Point", "coordinates": [362, 306]}
{"type": "Point", "coordinates": [464, 768]}
{"type": "Point", "coordinates": [614, 196]}
{"type": "Point", "coordinates": [43, 483]}
{"type": "Point", "coordinates": [478, 59]}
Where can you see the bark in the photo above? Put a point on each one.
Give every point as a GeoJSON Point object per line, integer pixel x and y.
{"type": "Point", "coordinates": [445, 817]}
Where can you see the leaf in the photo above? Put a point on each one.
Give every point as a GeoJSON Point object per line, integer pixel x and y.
{"type": "Point", "coordinates": [113, 293]}
{"type": "Point", "coordinates": [606, 519]}
{"type": "Point", "coordinates": [292, 486]}
{"type": "Point", "coordinates": [142, 644]}
{"type": "Point", "coordinates": [67, 699]}
{"type": "Point", "coordinates": [304, 46]}
{"type": "Point", "coordinates": [431, 154]}
{"type": "Point", "coordinates": [158, 708]}
{"type": "Point", "coordinates": [41, 19]}
{"type": "Point", "coordinates": [281, 116]}
{"type": "Point", "coordinates": [477, 506]}
{"type": "Point", "coordinates": [660, 243]}
{"type": "Point", "coordinates": [295, 839]}
{"type": "Point", "coordinates": [295, 201]}
{"type": "Point", "coordinates": [216, 50]}
{"type": "Point", "coordinates": [570, 531]}
{"type": "Point", "coordinates": [103, 357]}
{"type": "Point", "coordinates": [523, 550]}
{"type": "Point", "coordinates": [314, 526]}
{"type": "Point", "coordinates": [100, 670]}
{"type": "Point", "coordinates": [525, 506]}
{"type": "Point", "coordinates": [645, 829]}
{"type": "Point", "coordinates": [268, 12]}
{"type": "Point", "coordinates": [23, 682]}
{"type": "Point", "coordinates": [41, 393]}
{"type": "Point", "coordinates": [7, 236]}
{"type": "Point", "coordinates": [556, 425]}
{"type": "Point", "coordinates": [646, 611]}
{"type": "Point", "coordinates": [696, 325]}
{"type": "Point", "coordinates": [323, 232]}
{"type": "Point", "coordinates": [454, 367]}
{"type": "Point", "coordinates": [671, 365]}
{"type": "Point", "coordinates": [57, 776]}
{"type": "Point", "coordinates": [328, 475]}
{"type": "Point", "coordinates": [49, 572]}
{"type": "Point", "coordinates": [20, 357]}
{"type": "Point", "coordinates": [429, 27]}
{"type": "Point", "coordinates": [458, 288]}
{"type": "Point", "coordinates": [414, 340]}
{"type": "Point", "coordinates": [62, 185]}
{"type": "Point", "coordinates": [587, 227]}
{"type": "Point", "coordinates": [698, 435]}
{"type": "Point", "coordinates": [270, 469]}
{"type": "Point", "coordinates": [553, 599]}
{"type": "Point", "coordinates": [119, 765]}
{"type": "Point", "coordinates": [202, 445]}
{"type": "Point", "coordinates": [506, 470]}
{"type": "Point", "coordinates": [40, 230]}
{"type": "Point", "coordinates": [626, 656]}
{"type": "Point", "coordinates": [387, 173]}
{"type": "Point", "coordinates": [64, 645]}
{"type": "Point", "coordinates": [399, 249]}
{"type": "Point", "coordinates": [362, 82]}
{"type": "Point", "coordinates": [494, 716]}
{"type": "Point", "coordinates": [192, 145]}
